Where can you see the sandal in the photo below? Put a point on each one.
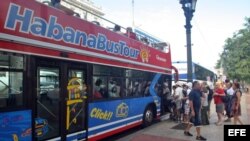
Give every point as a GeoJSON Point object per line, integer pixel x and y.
{"type": "Point", "coordinates": [218, 123]}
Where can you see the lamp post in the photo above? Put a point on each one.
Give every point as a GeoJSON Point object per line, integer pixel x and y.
{"type": "Point", "coordinates": [188, 7]}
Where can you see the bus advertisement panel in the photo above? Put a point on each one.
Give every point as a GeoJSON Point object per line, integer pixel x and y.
{"type": "Point", "coordinates": [15, 126]}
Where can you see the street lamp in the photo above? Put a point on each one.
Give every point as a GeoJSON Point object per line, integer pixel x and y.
{"type": "Point", "coordinates": [188, 7]}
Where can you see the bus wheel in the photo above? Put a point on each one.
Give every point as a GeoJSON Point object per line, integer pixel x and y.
{"type": "Point", "coordinates": [148, 116]}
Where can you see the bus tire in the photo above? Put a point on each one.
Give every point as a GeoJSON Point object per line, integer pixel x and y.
{"type": "Point", "coordinates": [148, 117]}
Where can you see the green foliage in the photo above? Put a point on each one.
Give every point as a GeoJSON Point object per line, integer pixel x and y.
{"type": "Point", "coordinates": [235, 58]}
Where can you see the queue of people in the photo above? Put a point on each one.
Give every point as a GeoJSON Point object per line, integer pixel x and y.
{"type": "Point", "coordinates": [231, 102]}
{"type": "Point", "coordinates": [196, 100]}
{"type": "Point", "coordinates": [192, 101]}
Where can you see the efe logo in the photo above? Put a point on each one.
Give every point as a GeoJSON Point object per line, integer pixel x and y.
{"type": "Point", "coordinates": [236, 132]}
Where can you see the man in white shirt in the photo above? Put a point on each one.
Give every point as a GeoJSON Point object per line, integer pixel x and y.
{"type": "Point", "coordinates": [210, 83]}
{"type": "Point", "coordinates": [178, 99]}
{"type": "Point", "coordinates": [229, 94]}
{"type": "Point", "coordinates": [186, 106]}
{"type": "Point", "coordinates": [230, 90]}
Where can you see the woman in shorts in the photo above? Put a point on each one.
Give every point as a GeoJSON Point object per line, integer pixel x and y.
{"type": "Point", "coordinates": [218, 93]}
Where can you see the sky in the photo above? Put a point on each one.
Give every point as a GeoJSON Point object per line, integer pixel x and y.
{"type": "Point", "coordinates": [213, 22]}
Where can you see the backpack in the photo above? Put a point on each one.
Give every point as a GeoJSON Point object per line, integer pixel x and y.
{"type": "Point", "coordinates": [210, 95]}
{"type": "Point", "coordinates": [184, 93]}
{"type": "Point", "coordinates": [225, 99]}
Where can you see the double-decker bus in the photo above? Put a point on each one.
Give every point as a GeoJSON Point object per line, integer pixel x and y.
{"type": "Point", "coordinates": [66, 78]}
{"type": "Point", "coordinates": [200, 73]}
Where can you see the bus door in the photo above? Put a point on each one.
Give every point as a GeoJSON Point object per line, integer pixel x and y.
{"type": "Point", "coordinates": [76, 102]}
{"type": "Point", "coordinates": [60, 112]}
{"type": "Point", "coordinates": [48, 101]}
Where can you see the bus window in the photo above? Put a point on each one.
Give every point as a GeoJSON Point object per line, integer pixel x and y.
{"type": "Point", "coordinates": [107, 82]}
{"type": "Point", "coordinates": [137, 83]}
{"type": "Point", "coordinates": [136, 87]}
{"type": "Point", "coordinates": [11, 81]}
{"type": "Point", "coordinates": [126, 88]}
{"type": "Point", "coordinates": [48, 103]}
{"type": "Point", "coordinates": [146, 88]}
{"type": "Point", "coordinates": [49, 85]}
{"type": "Point", "coordinates": [99, 87]}
{"type": "Point", "coordinates": [114, 87]}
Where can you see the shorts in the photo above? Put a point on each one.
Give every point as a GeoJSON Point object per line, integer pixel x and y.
{"type": "Point", "coordinates": [178, 104]}
{"type": "Point", "coordinates": [209, 104]}
{"type": "Point", "coordinates": [187, 109]}
{"type": "Point", "coordinates": [219, 108]}
{"type": "Point", "coordinates": [196, 120]}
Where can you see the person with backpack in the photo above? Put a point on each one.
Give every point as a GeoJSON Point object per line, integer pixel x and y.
{"type": "Point", "coordinates": [178, 100]}
{"type": "Point", "coordinates": [229, 93]}
{"type": "Point", "coordinates": [204, 108]}
{"type": "Point", "coordinates": [195, 97]}
{"type": "Point", "coordinates": [186, 104]}
{"type": "Point", "coordinates": [165, 97]}
{"type": "Point", "coordinates": [209, 99]}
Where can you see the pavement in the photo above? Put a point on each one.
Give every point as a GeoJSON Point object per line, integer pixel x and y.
{"type": "Point", "coordinates": [163, 131]}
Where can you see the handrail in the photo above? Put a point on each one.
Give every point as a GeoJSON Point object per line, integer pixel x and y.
{"type": "Point", "coordinates": [4, 83]}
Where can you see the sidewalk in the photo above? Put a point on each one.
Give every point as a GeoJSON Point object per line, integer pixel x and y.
{"type": "Point", "coordinates": [163, 131]}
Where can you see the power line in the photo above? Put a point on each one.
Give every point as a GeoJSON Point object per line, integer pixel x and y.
{"type": "Point", "coordinates": [200, 31]}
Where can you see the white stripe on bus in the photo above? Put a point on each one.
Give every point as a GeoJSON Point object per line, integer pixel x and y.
{"type": "Point", "coordinates": [55, 139]}
{"type": "Point", "coordinates": [70, 135]}
{"type": "Point", "coordinates": [73, 134]}
{"type": "Point", "coordinates": [112, 123]}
